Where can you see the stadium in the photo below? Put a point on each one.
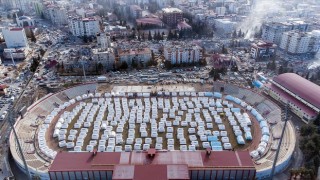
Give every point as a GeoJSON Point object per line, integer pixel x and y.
{"type": "Point", "coordinates": [125, 125]}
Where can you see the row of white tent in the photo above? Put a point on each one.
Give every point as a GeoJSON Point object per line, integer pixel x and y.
{"type": "Point", "coordinates": [261, 149]}
{"type": "Point", "coordinates": [98, 100]}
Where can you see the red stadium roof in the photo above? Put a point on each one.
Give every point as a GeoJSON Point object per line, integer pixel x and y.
{"type": "Point", "coordinates": [77, 161]}
{"type": "Point", "coordinates": [154, 172]}
{"type": "Point", "coordinates": [70, 161]}
{"type": "Point", "coordinates": [300, 86]}
{"type": "Point", "coordinates": [287, 96]}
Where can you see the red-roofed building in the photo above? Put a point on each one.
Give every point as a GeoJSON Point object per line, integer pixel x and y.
{"type": "Point", "coordinates": [164, 165]}
{"type": "Point", "coordinates": [302, 95]}
{"type": "Point", "coordinates": [261, 50]}
{"type": "Point", "coordinates": [150, 21]}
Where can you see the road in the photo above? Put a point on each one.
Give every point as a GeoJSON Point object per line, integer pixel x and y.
{"type": "Point", "coordinates": [6, 129]}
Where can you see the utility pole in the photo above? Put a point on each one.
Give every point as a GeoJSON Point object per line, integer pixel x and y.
{"type": "Point", "coordinates": [84, 72]}
{"type": "Point", "coordinates": [279, 145]}
{"type": "Point", "coordinates": [11, 123]}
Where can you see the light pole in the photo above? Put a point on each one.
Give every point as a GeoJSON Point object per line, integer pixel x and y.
{"type": "Point", "coordinates": [279, 145]}
{"type": "Point", "coordinates": [11, 120]}
{"type": "Point", "coordinates": [84, 72]}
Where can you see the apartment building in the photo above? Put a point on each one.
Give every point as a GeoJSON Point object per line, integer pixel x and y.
{"type": "Point", "coordinates": [261, 50]}
{"type": "Point", "coordinates": [172, 16]}
{"type": "Point", "coordinates": [15, 37]}
{"type": "Point", "coordinates": [84, 26]}
{"type": "Point", "coordinates": [103, 40]}
{"type": "Point", "coordinates": [139, 55]}
{"type": "Point", "coordinates": [57, 15]}
{"type": "Point", "coordinates": [272, 32]}
{"type": "Point", "coordinates": [296, 42]}
{"type": "Point", "coordinates": [104, 56]}
{"type": "Point", "coordinates": [182, 53]}
{"type": "Point", "coordinates": [225, 26]}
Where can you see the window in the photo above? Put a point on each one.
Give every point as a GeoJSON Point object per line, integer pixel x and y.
{"type": "Point", "coordinates": [72, 175]}
{"type": "Point", "coordinates": [59, 175]}
{"type": "Point", "coordinates": [53, 176]}
{"type": "Point", "coordinates": [65, 175]}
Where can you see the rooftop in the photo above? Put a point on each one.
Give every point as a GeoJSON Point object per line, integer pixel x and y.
{"type": "Point", "coordinates": [146, 172]}
{"type": "Point", "coordinates": [171, 10]}
{"type": "Point", "coordinates": [300, 86]}
{"type": "Point", "coordinates": [263, 44]}
{"type": "Point", "coordinates": [134, 51]}
{"type": "Point", "coordinates": [24, 17]}
{"type": "Point", "coordinates": [76, 161]}
{"type": "Point", "coordinates": [16, 29]}
{"type": "Point", "coordinates": [287, 96]}
{"type": "Point", "coordinates": [148, 20]}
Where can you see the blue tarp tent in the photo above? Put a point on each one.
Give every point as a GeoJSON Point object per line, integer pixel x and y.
{"type": "Point", "coordinates": [238, 101]}
{"type": "Point", "coordinates": [212, 138]}
{"type": "Point", "coordinates": [257, 84]}
{"type": "Point", "coordinates": [215, 143]}
{"type": "Point", "coordinates": [230, 98]}
{"type": "Point", "coordinates": [217, 95]}
{"type": "Point", "coordinates": [216, 148]}
{"type": "Point", "coordinates": [208, 94]}
{"type": "Point", "coordinates": [235, 109]}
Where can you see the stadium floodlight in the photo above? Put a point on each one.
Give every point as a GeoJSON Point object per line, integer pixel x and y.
{"type": "Point", "coordinates": [83, 61]}
{"type": "Point", "coordinates": [11, 122]}
{"type": "Point", "coordinates": [279, 145]}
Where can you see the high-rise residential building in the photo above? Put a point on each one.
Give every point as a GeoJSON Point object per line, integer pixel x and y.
{"type": "Point", "coordinates": [296, 42]}
{"type": "Point", "coordinates": [84, 26]}
{"type": "Point", "coordinates": [24, 5]}
{"type": "Point", "coordinates": [15, 37]}
{"type": "Point", "coordinates": [103, 40]}
{"type": "Point", "coordinates": [225, 26]}
{"type": "Point", "coordinates": [272, 32]}
{"type": "Point", "coordinates": [57, 15]}
{"type": "Point", "coordinates": [178, 53]}
{"type": "Point", "coordinates": [137, 55]}
{"type": "Point", "coordinates": [172, 16]}
{"type": "Point", "coordinates": [104, 56]}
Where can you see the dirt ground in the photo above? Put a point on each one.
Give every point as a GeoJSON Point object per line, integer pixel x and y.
{"type": "Point", "coordinates": [53, 143]}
